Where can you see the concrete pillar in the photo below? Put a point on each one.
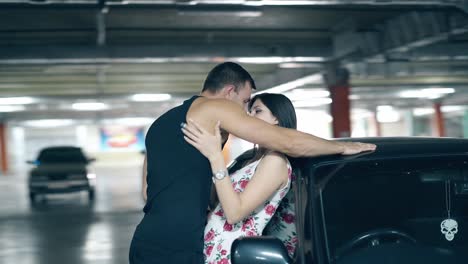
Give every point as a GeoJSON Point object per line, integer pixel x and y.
{"type": "Point", "coordinates": [377, 125]}
{"type": "Point", "coordinates": [337, 81]}
{"type": "Point", "coordinates": [465, 124]}
{"type": "Point", "coordinates": [409, 122]}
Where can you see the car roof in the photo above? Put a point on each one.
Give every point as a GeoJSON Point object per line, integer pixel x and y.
{"type": "Point", "coordinates": [397, 147]}
{"type": "Point", "coordinates": [60, 148]}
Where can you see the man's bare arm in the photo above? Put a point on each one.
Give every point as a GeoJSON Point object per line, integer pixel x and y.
{"type": "Point", "coordinates": [289, 141]}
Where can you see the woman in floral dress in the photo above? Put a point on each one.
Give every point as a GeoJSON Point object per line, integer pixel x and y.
{"type": "Point", "coordinates": [249, 197]}
{"type": "Point", "coordinates": [282, 225]}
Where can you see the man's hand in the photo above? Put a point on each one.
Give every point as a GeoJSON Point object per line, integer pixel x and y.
{"type": "Point", "coordinates": [350, 148]}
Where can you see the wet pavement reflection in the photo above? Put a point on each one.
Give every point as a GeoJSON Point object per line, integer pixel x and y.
{"type": "Point", "coordinates": [68, 228]}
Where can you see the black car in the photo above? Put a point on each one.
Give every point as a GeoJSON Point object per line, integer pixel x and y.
{"type": "Point", "coordinates": [61, 169]}
{"type": "Point", "coordinates": [406, 202]}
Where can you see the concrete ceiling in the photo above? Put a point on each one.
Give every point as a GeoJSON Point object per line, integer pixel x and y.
{"type": "Point", "coordinates": [66, 51]}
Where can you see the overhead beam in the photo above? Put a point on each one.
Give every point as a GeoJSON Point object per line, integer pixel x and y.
{"type": "Point", "coordinates": [453, 51]}
{"type": "Point", "coordinates": [411, 80]}
{"type": "Point", "coordinates": [282, 76]}
{"type": "Point", "coordinates": [404, 33]}
{"type": "Point", "coordinates": [395, 69]}
{"type": "Point", "coordinates": [246, 3]}
{"type": "Point", "coordinates": [157, 53]}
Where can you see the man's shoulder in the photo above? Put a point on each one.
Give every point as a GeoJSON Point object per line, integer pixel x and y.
{"type": "Point", "coordinates": [214, 104]}
{"type": "Point", "coordinates": [209, 110]}
{"type": "Point", "coordinates": [215, 101]}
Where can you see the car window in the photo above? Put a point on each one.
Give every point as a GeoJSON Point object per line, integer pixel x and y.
{"type": "Point", "coordinates": [61, 155]}
{"type": "Point", "coordinates": [410, 195]}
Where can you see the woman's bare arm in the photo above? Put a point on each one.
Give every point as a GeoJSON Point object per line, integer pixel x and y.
{"type": "Point", "coordinates": [270, 175]}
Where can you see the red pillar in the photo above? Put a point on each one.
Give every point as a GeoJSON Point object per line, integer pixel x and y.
{"type": "Point", "coordinates": [3, 150]}
{"type": "Point", "coordinates": [438, 121]}
{"type": "Point", "coordinates": [337, 80]}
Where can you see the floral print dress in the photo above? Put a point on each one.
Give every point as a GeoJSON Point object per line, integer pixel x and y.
{"type": "Point", "coordinates": [282, 225]}
{"type": "Point", "coordinates": [219, 234]}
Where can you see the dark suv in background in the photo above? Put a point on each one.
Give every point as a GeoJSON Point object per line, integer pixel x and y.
{"type": "Point", "coordinates": [61, 169]}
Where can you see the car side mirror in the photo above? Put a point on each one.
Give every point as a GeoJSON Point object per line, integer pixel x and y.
{"type": "Point", "coordinates": [91, 160]}
{"type": "Point", "coordinates": [251, 250]}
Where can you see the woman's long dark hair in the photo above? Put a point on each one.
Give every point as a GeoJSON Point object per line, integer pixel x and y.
{"type": "Point", "coordinates": [281, 108]}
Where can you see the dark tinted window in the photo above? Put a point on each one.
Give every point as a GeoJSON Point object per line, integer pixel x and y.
{"type": "Point", "coordinates": [62, 155]}
{"type": "Point", "coordinates": [405, 194]}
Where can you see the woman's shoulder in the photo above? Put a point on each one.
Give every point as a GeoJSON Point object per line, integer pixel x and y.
{"type": "Point", "coordinates": [276, 158]}
{"type": "Point", "coordinates": [276, 163]}
{"type": "Point", "coordinates": [276, 155]}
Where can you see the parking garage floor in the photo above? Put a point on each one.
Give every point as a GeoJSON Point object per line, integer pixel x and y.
{"type": "Point", "coordinates": [69, 228]}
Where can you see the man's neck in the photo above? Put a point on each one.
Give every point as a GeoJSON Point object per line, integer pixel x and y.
{"type": "Point", "coordinates": [211, 95]}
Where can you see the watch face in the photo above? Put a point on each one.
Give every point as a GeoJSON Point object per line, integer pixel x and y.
{"type": "Point", "coordinates": [220, 175]}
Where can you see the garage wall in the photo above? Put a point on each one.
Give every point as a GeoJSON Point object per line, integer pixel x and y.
{"type": "Point", "coordinates": [24, 143]}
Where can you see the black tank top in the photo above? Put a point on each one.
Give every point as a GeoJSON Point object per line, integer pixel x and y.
{"type": "Point", "coordinates": [179, 183]}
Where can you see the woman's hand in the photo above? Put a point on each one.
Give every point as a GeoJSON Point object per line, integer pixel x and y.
{"type": "Point", "coordinates": [209, 145]}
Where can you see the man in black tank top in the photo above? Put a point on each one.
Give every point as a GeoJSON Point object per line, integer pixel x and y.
{"type": "Point", "coordinates": [179, 177]}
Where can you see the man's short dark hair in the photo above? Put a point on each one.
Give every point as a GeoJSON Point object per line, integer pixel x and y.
{"type": "Point", "coordinates": [227, 73]}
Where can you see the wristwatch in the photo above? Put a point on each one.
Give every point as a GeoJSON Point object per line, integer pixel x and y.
{"type": "Point", "coordinates": [219, 175]}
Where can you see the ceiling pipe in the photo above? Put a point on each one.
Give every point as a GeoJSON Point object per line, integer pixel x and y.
{"type": "Point", "coordinates": [457, 3]}
{"type": "Point", "coordinates": [101, 23]}
{"type": "Point", "coordinates": [442, 28]}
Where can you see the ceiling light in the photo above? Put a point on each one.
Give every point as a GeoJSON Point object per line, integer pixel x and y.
{"type": "Point", "coordinates": [151, 97]}
{"type": "Point", "coordinates": [294, 65]}
{"type": "Point", "coordinates": [439, 90]}
{"type": "Point", "coordinates": [221, 13]}
{"type": "Point", "coordinates": [314, 78]}
{"type": "Point", "coordinates": [283, 2]}
{"type": "Point", "coordinates": [275, 60]}
{"type": "Point", "coordinates": [433, 96]}
{"type": "Point", "coordinates": [313, 102]}
{"type": "Point", "coordinates": [429, 93]}
{"type": "Point", "coordinates": [452, 108]}
{"type": "Point", "coordinates": [11, 108]}
{"type": "Point", "coordinates": [232, 10]}
{"type": "Point", "coordinates": [412, 94]}
{"type": "Point", "coordinates": [307, 94]}
{"type": "Point", "coordinates": [422, 111]}
{"type": "Point", "coordinates": [91, 106]}
{"type": "Point", "coordinates": [272, 60]}
{"type": "Point", "coordinates": [130, 121]}
{"type": "Point", "coordinates": [384, 108]}
{"type": "Point", "coordinates": [16, 100]}
{"type": "Point", "coordinates": [45, 123]}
